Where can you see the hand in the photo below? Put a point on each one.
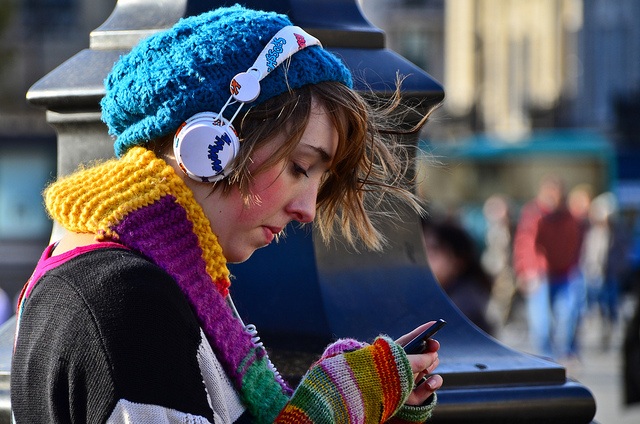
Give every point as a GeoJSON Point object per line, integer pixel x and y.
{"type": "Point", "coordinates": [423, 365]}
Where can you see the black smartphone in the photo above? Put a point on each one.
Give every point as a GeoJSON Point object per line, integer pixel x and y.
{"type": "Point", "coordinates": [419, 343]}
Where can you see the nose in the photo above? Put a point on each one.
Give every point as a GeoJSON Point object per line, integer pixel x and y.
{"type": "Point", "coordinates": [302, 207]}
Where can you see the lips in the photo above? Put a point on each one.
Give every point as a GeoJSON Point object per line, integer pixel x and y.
{"type": "Point", "coordinates": [271, 232]}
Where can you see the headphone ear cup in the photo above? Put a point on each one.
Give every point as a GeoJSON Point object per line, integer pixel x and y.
{"type": "Point", "coordinates": [205, 147]}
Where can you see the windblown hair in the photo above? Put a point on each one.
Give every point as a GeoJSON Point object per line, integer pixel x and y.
{"type": "Point", "coordinates": [370, 172]}
{"type": "Point", "coordinates": [370, 175]}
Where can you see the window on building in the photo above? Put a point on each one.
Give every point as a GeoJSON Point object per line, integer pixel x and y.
{"type": "Point", "coordinates": [413, 44]}
{"type": "Point", "coordinates": [23, 175]}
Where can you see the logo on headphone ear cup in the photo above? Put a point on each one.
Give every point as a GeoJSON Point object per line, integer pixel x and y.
{"type": "Point", "coordinates": [205, 147]}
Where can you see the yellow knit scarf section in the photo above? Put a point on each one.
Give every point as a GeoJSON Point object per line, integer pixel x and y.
{"type": "Point", "coordinates": [95, 199]}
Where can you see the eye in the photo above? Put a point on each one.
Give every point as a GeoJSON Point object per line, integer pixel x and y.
{"type": "Point", "coordinates": [297, 169]}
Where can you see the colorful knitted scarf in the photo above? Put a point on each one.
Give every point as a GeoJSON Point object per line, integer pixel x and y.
{"type": "Point", "coordinates": [140, 202]}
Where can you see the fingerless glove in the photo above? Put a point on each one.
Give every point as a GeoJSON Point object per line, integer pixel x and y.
{"type": "Point", "coordinates": [353, 382]}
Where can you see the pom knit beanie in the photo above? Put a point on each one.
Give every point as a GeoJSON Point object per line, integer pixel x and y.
{"type": "Point", "coordinates": [187, 69]}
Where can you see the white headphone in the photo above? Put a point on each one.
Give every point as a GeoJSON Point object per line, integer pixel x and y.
{"type": "Point", "coordinates": [206, 144]}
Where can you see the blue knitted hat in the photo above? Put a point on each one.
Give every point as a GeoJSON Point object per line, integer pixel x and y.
{"type": "Point", "coordinates": [187, 69]}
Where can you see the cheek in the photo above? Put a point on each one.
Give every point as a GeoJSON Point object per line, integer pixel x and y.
{"type": "Point", "coordinates": [441, 266]}
{"type": "Point", "coordinates": [270, 190]}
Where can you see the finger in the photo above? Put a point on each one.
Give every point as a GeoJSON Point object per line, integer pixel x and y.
{"type": "Point", "coordinates": [429, 384]}
{"type": "Point", "coordinates": [427, 371]}
{"type": "Point", "coordinates": [431, 368]}
{"type": "Point", "coordinates": [423, 391]}
{"type": "Point", "coordinates": [410, 336]}
{"type": "Point", "coordinates": [422, 362]}
{"type": "Point", "coordinates": [432, 345]}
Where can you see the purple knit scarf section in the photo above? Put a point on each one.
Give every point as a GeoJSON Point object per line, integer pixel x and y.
{"type": "Point", "coordinates": [162, 232]}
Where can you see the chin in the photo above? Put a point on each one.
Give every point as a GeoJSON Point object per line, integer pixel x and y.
{"type": "Point", "coordinates": [239, 257]}
{"type": "Point", "coordinates": [237, 260]}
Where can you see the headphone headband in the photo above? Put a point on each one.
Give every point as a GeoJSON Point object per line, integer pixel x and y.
{"type": "Point", "coordinates": [245, 86]}
{"type": "Point", "coordinates": [282, 46]}
{"type": "Point", "coordinates": [206, 144]}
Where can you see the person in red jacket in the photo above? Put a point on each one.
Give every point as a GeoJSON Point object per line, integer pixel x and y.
{"type": "Point", "coordinates": [547, 247]}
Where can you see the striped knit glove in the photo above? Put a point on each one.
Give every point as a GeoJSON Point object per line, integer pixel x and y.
{"type": "Point", "coordinates": [356, 383]}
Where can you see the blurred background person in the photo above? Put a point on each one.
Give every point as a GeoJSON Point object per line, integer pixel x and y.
{"type": "Point", "coordinates": [559, 239]}
{"type": "Point", "coordinates": [604, 261]}
{"type": "Point", "coordinates": [454, 260]}
{"type": "Point", "coordinates": [496, 257]}
{"type": "Point", "coordinates": [530, 266]}
{"type": "Point", "coordinates": [579, 203]}
{"type": "Point", "coordinates": [545, 257]}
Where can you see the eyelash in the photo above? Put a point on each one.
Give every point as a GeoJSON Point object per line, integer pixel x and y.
{"type": "Point", "coordinates": [300, 170]}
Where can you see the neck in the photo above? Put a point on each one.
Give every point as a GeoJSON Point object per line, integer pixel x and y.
{"type": "Point", "coordinates": [71, 240]}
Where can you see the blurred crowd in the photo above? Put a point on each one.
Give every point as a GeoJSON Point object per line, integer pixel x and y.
{"type": "Point", "coordinates": [565, 256]}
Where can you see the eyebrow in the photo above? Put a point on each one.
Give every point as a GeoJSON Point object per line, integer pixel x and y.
{"type": "Point", "coordinates": [324, 155]}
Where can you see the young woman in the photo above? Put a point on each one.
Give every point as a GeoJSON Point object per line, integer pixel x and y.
{"type": "Point", "coordinates": [128, 318]}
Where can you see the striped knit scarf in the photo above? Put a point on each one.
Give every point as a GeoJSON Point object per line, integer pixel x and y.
{"type": "Point", "coordinates": [140, 202]}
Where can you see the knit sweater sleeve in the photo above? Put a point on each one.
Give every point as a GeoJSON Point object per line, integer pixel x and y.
{"type": "Point", "coordinates": [353, 382]}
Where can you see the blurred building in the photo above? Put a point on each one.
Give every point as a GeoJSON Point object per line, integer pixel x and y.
{"type": "Point", "coordinates": [511, 66]}
{"type": "Point", "coordinates": [609, 73]}
{"type": "Point", "coordinates": [35, 37]}
{"type": "Point", "coordinates": [531, 87]}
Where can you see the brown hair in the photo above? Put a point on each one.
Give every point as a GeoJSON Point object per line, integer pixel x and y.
{"type": "Point", "coordinates": [370, 170]}
{"type": "Point", "coordinates": [370, 167]}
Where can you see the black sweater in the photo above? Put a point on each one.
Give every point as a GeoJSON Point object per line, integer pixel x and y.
{"type": "Point", "coordinates": [105, 326]}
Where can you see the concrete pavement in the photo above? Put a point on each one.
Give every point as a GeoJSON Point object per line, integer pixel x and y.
{"type": "Point", "coordinates": [599, 368]}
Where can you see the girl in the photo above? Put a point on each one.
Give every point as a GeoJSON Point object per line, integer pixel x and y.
{"type": "Point", "coordinates": [128, 318]}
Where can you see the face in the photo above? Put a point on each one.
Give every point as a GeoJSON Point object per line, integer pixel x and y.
{"type": "Point", "coordinates": [442, 261]}
{"type": "Point", "coordinates": [283, 193]}
{"type": "Point", "coordinates": [550, 195]}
